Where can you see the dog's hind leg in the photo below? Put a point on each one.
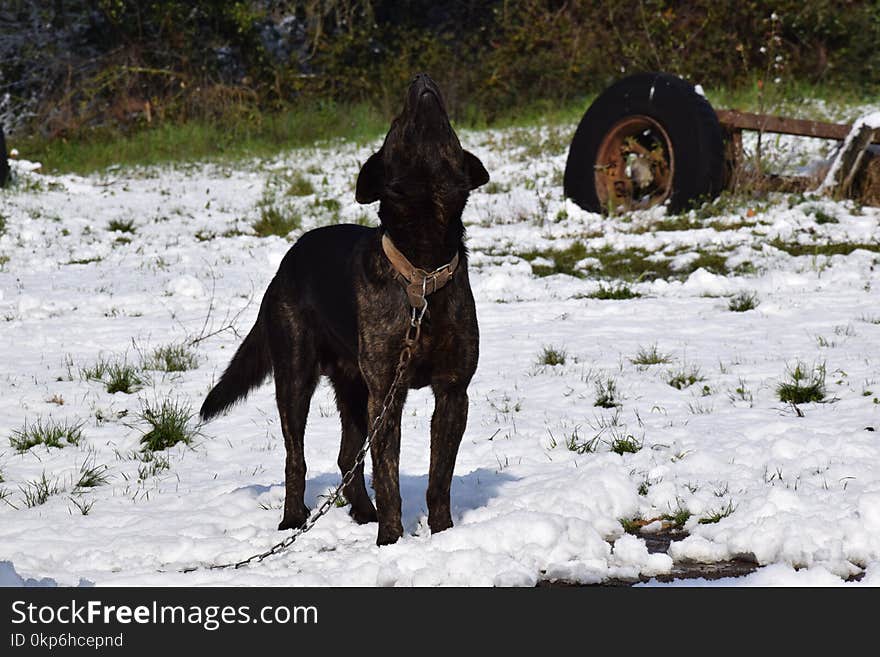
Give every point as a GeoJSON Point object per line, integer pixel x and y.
{"type": "Point", "coordinates": [447, 427]}
{"type": "Point", "coordinates": [296, 375]}
{"type": "Point", "coordinates": [351, 400]}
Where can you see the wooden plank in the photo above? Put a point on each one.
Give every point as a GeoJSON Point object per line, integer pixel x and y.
{"type": "Point", "coordinates": [736, 120]}
{"type": "Point", "coordinates": [867, 186]}
{"type": "Point", "coordinates": [4, 163]}
{"type": "Point", "coordinates": [733, 154]}
{"type": "Point", "coordinates": [843, 172]}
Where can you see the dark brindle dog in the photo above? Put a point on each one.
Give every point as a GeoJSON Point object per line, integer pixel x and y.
{"type": "Point", "coordinates": [340, 306]}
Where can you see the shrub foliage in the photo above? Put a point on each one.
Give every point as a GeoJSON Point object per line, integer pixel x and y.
{"type": "Point", "coordinates": [80, 63]}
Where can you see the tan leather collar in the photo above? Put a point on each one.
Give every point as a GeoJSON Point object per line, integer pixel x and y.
{"type": "Point", "coordinates": [418, 283]}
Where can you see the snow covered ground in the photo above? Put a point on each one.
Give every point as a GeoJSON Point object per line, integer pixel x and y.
{"type": "Point", "coordinates": [539, 494]}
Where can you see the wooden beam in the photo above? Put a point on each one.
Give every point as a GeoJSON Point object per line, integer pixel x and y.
{"type": "Point", "coordinates": [4, 163]}
{"type": "Point", "coordinates": [736, 120]}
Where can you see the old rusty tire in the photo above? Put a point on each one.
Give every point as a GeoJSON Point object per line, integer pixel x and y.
{"type": "Point", "coordinates": [648, 139]}
{"type": "Point", "coordinates": [635, 165]}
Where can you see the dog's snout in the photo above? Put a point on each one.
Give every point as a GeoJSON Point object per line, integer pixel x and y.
{"type": "Point", "coordinates": [424, 109]}
{"type": "Point", "coordinates": [422, 82]}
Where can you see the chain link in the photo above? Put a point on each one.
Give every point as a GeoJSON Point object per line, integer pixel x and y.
{"type": "Point", "coordinates": [413, 331]}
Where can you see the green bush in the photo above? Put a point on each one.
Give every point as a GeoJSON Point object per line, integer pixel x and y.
{"type": "Point", "coordinates": [218, 62]}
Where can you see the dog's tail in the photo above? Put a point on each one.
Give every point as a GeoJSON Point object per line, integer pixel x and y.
{"type": "Point", "coordinates": [249, 367]}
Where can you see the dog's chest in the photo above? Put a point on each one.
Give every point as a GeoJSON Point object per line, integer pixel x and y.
{"type": "Point", "coordinates": [447, 346]}
{"type": "Point", "coordinates": [443, 353]}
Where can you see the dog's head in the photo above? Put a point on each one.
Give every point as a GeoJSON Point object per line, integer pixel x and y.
{"type": "Point", "coordinates": [421, 166]}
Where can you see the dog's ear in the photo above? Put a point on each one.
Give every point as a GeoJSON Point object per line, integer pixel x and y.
{"type": "Point", "coordinates": [477, 174]}
{"type": "Point", "coordinates": [371, 179]}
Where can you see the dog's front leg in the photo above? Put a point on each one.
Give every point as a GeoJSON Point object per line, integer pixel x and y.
{"type": "Point", "coordinates": [447, 426]}
{"type": "Point", "coordinates": [385, 452]}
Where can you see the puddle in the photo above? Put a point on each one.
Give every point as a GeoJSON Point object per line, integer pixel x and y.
{"type": "Point", "coordinates": [660, 542]}
{"type": "Point", "coordinates": [682, 570]}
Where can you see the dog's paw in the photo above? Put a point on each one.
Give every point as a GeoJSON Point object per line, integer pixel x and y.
{"type": "Point", "coordinates": [388, 536]}
{"type": "Point", "coordinates": [364, 515]}
{"type": "Point", "coordinates": [439, 522]}
{"type": "Point", "coordinates": [294, 520]}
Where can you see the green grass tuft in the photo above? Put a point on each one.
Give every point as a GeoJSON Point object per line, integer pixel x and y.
{"type": "Point", "coordinates": [743, 301]}
{"type": "Point", "coordinates": [300, 186]}
{"type": "Point", "coordinates": [124, 378]}
{"type": "Point", "coordinates": [626, 444]}
{"type": "Point", "coordinates": [169, 424]}
{"type": "Point", "coordinates": [176, 357]}
{"type": "Point", "coordinates": [5, 494]}
{"type": "Point", "coordinates": [38, 491]}
{"type": "Point", "coordinates": [275, 221]}
{"type": "Point", "coordinates": [83, 506]}
{"type": "Point", "coordinates": [84, 261]}
{"type": "Point", "coordinates": [742, 394]}
{"type": "Point", "coordinates": [684, 377]}
{"type": "Point", "coordinates": [573, 443]}
{"type": "Point", "coordinates": [678, 518]}
{"type": "Point", "coordinates": [823, 217]}
{"type": "Point", "coordinates": [331, 205]}
{"type": "Point", "coordinates": [631, 526]}
{"type": "Point", "coordinates": [52, 433]}
{"type": "Point", "coordinates": [805, 384]}
{"type": "Point", "coordinates": [116, 375]}
{"type": "Point", "coordinates": [152, 465]}
{"type": "Point", "coordinates": [616, 292]}
{"type": "Point", "coordinates": [606, 393]}
{"type": "Point", "coordinates": [121, 226]}
{"type": "Point", "coordinates": [650, 356]}
{"type": "Point", "coordinates": [91, 475]}
{"type": "Point", "coordinates": [716, 516]}
{"type": "Point", "coordinates": [96, 372]}
{"type": "Point", "coordinates": [552, 356]}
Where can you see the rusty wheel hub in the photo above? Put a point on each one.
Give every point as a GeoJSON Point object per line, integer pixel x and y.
{"type": "Point", "coordinates": [634, 165]}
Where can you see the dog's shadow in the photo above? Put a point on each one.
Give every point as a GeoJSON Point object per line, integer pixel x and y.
{"type": "Point", "coordinates": [470, 491]}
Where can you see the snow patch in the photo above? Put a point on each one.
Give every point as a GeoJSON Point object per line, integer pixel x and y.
{"type": "Point", "coordinates": [185, 286]}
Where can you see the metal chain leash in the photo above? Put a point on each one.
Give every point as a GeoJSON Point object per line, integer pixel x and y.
{"type": "Point", "coordinates": [413, 332]}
